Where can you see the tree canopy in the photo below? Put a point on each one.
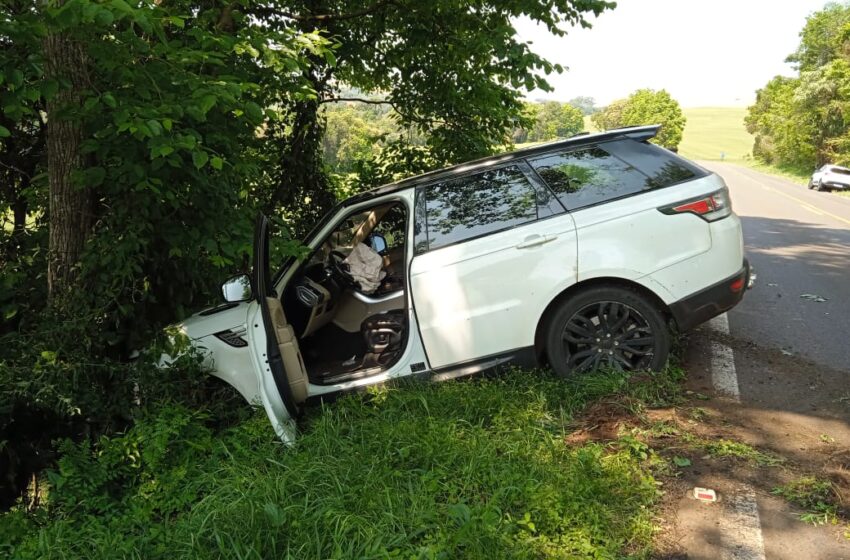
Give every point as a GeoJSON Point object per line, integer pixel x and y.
{"type": "Point", "coordinates": [138, 138]}
{"type": "Point", "coordinates": [803, 121]}
{"type": "Point", "coordinates": [646, 106]}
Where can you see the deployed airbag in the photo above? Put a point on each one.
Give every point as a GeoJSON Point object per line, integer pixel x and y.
{"type": "Point", "coordinates": [366, 267]}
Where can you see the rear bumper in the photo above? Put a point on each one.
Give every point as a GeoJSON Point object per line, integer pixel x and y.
{"type": "Point", "coordinates": [714, 300]}
{"type": "Point", "coordinates": [834, 185]}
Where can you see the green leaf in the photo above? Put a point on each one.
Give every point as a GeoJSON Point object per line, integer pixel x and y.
{"type": "Point", "coordinates": [166, 124]}
{"type": "Point", "coordinates": [4, 132]}
{"type": "Point", "coordinates": [200, 158]}
{"type": "Point", "coordinates": [217, 163]}
{"type": "Point", "coordinates": [49, 88]}
{"type": "Point", "coordinates": [17, 78]}
{"type": "Point", "coordinates": [681, 461]}
{"type": "Point", "coordinates": [177, 21]}
{"type": "Point", "coordinates": [207, 102]}
{"type": "Point", "coordinates": [255, 112]}
{"type": "Point", "coordinates": [95, 176]}
{"type": "Point", "coordinates": [109, 100]}
{"type": "Point", "coordinates": [155, 127]}
{"type": "Point", "coordinates": [104, 18]}
{"type": "Point", "coordinates": [122, 6]}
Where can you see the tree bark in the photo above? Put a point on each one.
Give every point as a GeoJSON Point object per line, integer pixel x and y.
{"type": "Point", "coordinates": [70, 207]}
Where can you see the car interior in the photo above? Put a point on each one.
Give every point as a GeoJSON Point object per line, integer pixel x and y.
{"type": "Point", "coordinates": [346, 303]}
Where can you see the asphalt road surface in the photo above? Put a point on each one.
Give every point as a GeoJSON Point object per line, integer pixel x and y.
{"type": "Point", "coordinates": [799, 242]}
{"type": "Point", "coordinates": [777, 368]}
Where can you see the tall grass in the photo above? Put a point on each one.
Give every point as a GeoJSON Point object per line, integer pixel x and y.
{"type": "Point", "coordinates": [476, 469]}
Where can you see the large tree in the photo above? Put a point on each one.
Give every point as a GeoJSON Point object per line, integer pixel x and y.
{"type": "Point", "coordinates": [803, 121]}
{"type": "Point", "coordinates": [452, 69]}
{"type": "Point", "coordinates": [646, 106]}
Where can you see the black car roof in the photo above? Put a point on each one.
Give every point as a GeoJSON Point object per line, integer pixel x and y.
{"type": "Point", "coordinates": [639, 133]}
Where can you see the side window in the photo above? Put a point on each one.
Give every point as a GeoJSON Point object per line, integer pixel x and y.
{"type": "Point", "coordinates": [587, 176]}
{"type": "Point", "coordinates": [611, 170]}
{"type": "Point", "coordinates": [461, 209]}
{"type": "Point", "coordinates": [661, 167]}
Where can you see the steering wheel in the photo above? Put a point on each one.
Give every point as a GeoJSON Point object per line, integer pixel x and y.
{"type": "Point", "coordinates": [338, 269]}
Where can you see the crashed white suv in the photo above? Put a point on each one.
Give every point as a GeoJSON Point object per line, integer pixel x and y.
{"type": "Point", "coordinates": [579, 254]}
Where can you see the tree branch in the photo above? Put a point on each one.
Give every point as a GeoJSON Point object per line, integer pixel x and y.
{"type": "Point", "coordinates": [357, 100]}
{"type": "Point", "coordinates": [340, 17]}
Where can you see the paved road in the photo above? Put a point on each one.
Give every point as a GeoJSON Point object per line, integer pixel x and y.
{"type": "Point", "coordinates": [799, 242]}
{"type": "Point", "coordinates": [797, 405]}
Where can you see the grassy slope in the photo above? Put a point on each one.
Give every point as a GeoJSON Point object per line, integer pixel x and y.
{"type": "Point", "coordinates": [711, 131]}
{"type": "Point", "coordinates": [477, 469]}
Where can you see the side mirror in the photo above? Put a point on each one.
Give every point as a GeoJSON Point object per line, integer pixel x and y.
{"type": "Point", "coordinates": [378, 243]}
{"type": "Point", "coordinates": [237, 288]}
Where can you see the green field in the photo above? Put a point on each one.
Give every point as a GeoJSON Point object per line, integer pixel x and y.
{"type": "Point", "coordinates": [712, 131]}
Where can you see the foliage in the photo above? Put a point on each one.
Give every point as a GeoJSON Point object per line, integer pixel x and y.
{"type": "Point", "coordinates": [548, 121]}
{"type": "Point", "coordinates": [816, 496]}
{"type": "Point", "coordinates": [478, 469]}
{"type": "Point", "coordinates": [610, 117]}
{"type": "Point", "coordinates": [196, 115]}
{"type": "Point", "coordinates": [646, 106]}
{"type": "Point", "coordinates": [802, 122]}
{"type": "Point", "coordinates": [587, 105]}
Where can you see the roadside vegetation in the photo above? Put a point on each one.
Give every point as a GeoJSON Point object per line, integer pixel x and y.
{"type": "Point", "coordinates": [485, 468]}
{"type": "Point", "coordinates": [138, 141]}
{"type": "Point", "coordinates": [802, 122]}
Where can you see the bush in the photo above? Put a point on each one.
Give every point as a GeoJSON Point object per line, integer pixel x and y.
{"type": "Point", "coordinates": [475, 469]}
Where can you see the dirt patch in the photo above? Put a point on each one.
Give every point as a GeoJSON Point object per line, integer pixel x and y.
{"type": "Point", "coordinates": [602, 421]}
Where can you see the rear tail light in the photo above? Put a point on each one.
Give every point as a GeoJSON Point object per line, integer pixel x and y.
{"type": "Point", "coordinates": [712, 207]}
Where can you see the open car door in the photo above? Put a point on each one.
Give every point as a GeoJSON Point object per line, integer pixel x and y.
{"type": "Point", "coordinates": [282, 376]}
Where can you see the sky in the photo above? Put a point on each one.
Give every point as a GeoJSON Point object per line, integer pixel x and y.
{"type": "Point", "coordinates": [704, 52]}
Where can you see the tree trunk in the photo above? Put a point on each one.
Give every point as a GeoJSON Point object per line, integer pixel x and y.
{"type": "Point", "coordinates": [302, 187]}
{"type": "Point", "coordinates": [70, 207]}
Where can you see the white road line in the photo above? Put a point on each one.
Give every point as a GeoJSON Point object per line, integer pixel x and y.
{"type": "Point", "coordinates": [740, 524]}
{"type": "Point", "coordinates": [723, 374]}
{"type": "Point", "coordinates": [720, 324]}
{"type": "Point", "coordinates": [740, 527]}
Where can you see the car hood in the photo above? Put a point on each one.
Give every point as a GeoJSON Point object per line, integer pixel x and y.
{"type": "Point", "coordinates": [215, 319]}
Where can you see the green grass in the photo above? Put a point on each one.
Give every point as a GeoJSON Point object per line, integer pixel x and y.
{"type": "Point", "coordinates": [814, 495]}
{"type": "Point", "coordinates": [712, 131]}
{"type": "Point", "coordinates": [475, 469]}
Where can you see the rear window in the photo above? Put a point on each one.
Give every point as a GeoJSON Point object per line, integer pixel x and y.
{"type": "Point", "coordinates": [841, 171]}
{"type": "Point", "coordinates": [611, 170]}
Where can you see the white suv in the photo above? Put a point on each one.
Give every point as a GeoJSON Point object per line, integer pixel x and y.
{"type": "Point", "coordinates": [579, 254]}
{"type": "Point", "coordinates": [830, 177]}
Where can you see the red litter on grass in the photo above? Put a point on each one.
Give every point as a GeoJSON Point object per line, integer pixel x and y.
{"type": "Point", "coordinates": [705, 494]}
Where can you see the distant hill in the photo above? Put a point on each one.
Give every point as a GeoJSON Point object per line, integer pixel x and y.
{"type": "Point", "coordinates": [712, 130]}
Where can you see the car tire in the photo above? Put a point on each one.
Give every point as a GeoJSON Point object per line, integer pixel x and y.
{"type": "Point", "coordinates": [811, 184]}
{"type": "Point", "coordinates": [819, 186]}
{"type": "Point", "coordinates": [606, 327]}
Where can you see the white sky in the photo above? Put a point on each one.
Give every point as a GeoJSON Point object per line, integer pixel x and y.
{"type": "Point", "coordinates": [704, 52]}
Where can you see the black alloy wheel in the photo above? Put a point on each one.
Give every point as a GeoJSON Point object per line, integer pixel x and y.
{"type": "Point", "coordinates": [608, 328]}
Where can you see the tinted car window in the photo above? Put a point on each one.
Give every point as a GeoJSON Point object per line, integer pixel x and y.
{"type": "Point", "coordinates": [661, 167]}
{"type": "Point", "coordinates": [608, 171]}
{"type": "Point", "coordinates": [583, 177]}
{"type": "Point", "coordinates": [468, 207]}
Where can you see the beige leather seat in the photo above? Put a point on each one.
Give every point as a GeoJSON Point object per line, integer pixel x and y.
{"type": "Point", "coordinates": [293, 363]}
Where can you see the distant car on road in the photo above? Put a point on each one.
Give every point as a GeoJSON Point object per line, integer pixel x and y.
{"type": "Point", "coordinates": [830, 177]}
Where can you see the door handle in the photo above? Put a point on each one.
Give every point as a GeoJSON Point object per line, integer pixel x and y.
{"type": "Point", "coordinates": [535, 240]}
